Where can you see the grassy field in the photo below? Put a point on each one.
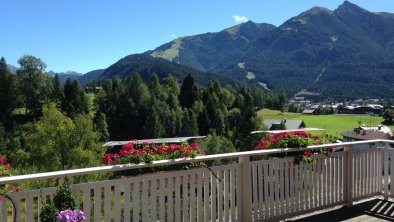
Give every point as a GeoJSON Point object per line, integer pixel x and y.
{"type": "Point", "coordinates": [334, 124]}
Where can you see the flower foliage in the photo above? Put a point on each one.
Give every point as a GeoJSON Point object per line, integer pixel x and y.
{"type": "Point", "coordinates": [148, 152]}
{"type": "Point", "coordinates": [297, 139]}
{"type": "Point", "coordinates": [71, 216]}
{"type": "Point", "coordinates": [5, 171]}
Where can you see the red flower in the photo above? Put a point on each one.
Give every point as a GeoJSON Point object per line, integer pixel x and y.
{"type": "Point", "coordinates": [18, 189]}
{"type": "Point", "coordinates": [10, 188]}
{"type": "Point", "coordinates": [307, 153]}
{"type": "Point", "coordinates": [128, 146]}
{"type": "Point", "coordinates": [124, 153]}
{"type": "Point", "coordinates": [8, 165]}
{"type": "Point", "coordinates": [108, 158]}
{"type": "Point", "coordinates": [2, 159]}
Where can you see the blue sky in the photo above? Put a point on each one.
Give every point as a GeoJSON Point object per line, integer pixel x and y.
{"type": "Point", "coordinates": [84, 35]}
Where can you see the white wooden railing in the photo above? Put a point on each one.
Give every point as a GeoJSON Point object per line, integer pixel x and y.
{"type": "Point", "coordinates": [249, 190]}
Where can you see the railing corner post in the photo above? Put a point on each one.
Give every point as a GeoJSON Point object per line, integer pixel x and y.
{"type": "Point", "coordinates": [245, 209]}
{"type": "Point", "coordinates": [386, 163]}
{"type": "Point", "coordinates": [348, 177]}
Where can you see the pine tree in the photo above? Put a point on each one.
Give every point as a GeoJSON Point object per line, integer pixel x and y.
{"type": "Point", "coordinates": [57, 90]}
{"type": "Point", "coordinates": [245, 141]}
{"type": "Point", "coordinates": [7, 93]}
{"type": "Point", "coordinates": [74, 101]}
{"type": "Point", "coordinates": [153, 128]}
{"type": "Point", "coordinates": [189, 92]}
{"type": "Point", "coordinates": [101, 127]}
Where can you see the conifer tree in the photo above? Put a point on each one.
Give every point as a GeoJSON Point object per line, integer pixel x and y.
{"type": "Point", "coordinates": [74, 101]}
{"type": "Point", "coordinates": [189, 92]}
{"type": "Point", "coordinates": [101, 127]}
{"type": "Point", "coordinates": [57, 90]}
{"type": "Point", "coordinates": [7, 93]}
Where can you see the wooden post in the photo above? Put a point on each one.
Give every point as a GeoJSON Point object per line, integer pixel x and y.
{"type": "Point", "coordinates": [386, 171]}
{"type": "Point", "coordinates": [348, 175]}
{"type": "Point", "coordinates": [245, 190]}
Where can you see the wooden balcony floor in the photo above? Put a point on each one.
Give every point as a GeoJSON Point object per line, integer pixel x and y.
{"type": "Point", "coordinates": [370, 211]}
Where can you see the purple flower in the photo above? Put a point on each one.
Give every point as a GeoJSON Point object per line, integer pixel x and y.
{"type": "Point", "coordinates": [71, 216]}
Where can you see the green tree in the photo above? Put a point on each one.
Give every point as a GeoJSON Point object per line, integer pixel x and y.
{"type": "Point", "coordinates": [33, 84]}
{"type": "Point", "coordinates": [56, 142]}
{"type": "Point", "coordinates": [189, 92]}
{"type": "Point", "coordinates": [282, 100]}
{"type": "Point", "coordinates": [246, 141]}
{"type": "Point", "coordinates": [101, 126]}
{"type": "Point", "coordinates": [57, 90]}
{"type": "Point", "coordinates": [388, 115]}
{"type": "Point", "coordinates": [153, 127]}
{"type": "Point", "coordinates": [74, 101]}
{"type": "Point", "coordinates": [7, 93]}
{"type": "Point", "coordinates": [293, 108]}
{"type": "Point", "coordinates": [156, 89]}
{"type": "Point", "coordinates": [214, 144]}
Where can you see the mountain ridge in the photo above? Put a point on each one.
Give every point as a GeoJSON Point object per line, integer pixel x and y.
{"type": "Point", "coordinates": [317, 50]}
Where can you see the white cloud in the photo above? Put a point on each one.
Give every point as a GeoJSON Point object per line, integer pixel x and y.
{"type": "Point", "coordinates": [240, 19]}
{"type": "Point", "coordinates": [171, 37]}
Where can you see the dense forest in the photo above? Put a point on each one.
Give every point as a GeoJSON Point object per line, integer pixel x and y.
{"type": "Point", "coordinates": [46, 126]}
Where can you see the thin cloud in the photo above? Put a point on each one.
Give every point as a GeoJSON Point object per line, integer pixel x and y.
{"type": "Point", "coordinates": [240, 19]}
{"type": "Point", "coordinates": [172, 36]}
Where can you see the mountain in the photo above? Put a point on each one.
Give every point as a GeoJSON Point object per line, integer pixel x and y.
{"type": "Point", "coordinates": [203, 52]}
{"type": "Point", "coordinates": [90, 76]}
{"type": "Point", "coordinates": [65, 75]}
{"type": "Point", "coordinates": [347, 52]}
{"type": "Point", "coordinates": [145, 65]}
{"type": "Point", "coordinates": [12, 68]}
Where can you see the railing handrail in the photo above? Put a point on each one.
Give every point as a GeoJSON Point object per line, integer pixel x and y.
{"type": "Point", "coordinates": [121, 167]}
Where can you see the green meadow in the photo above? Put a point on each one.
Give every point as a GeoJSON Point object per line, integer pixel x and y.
{"type": "Point", "coordinates": [334, 124]}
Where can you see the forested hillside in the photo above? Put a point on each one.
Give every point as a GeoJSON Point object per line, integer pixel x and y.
{"type": "Point", "coordinates": [335, 54]}
{"type": "Point", "coordinates": [45, 125]}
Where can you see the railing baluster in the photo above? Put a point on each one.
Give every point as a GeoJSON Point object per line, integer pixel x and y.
{"type": "Point", "coordinates": [192, 197]}
{"type": "Point", "coordinates": [391, 172]}
{"type": "Point", "coordinates": [266, 188]}
{"type": "Point", "coordinates": [254, 193]}
{"type": "Point", "coordinates": [246, 211]}
{"type": "Point", "coordinates": [136, 201]}
{"type": "Point", "coordinates": [233, 191]}
{"type": "Point", "coordinates": [291, 188]}
{"type": "Point", "coordinates": [97, 203]}
{"type": "Point", "coordinates": [177, 209]}
{"type": "Point", "coordinates": [214, 184]}
{"type": "Point", "coordinates": [126, 202]}
{"type": "Point", "coordinates": [162, 195]}
{"type": "Point", "coordinates": [153, 200]}
{"type": "Point", "coordinates": [86, 202]}
{"type": "Point", "coordinates": [386, 174]}
{"type": "Point", "coordinates": [117, 202]}
{"type": "Point", "coordinates": [220, 195]}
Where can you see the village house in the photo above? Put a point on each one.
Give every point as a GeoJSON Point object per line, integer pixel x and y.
{"type": "Point", "coordinates": [275, 124]}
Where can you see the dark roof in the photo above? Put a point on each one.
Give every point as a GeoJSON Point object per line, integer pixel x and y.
{"type": "Point", "coordinates": [365, 135]}
{"type": "Point", "coordinates": [160, 140]}
{"type": "Point", "coordinates": [290, 123]}
{"type": "Point", "coordinates": [308, 111]}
